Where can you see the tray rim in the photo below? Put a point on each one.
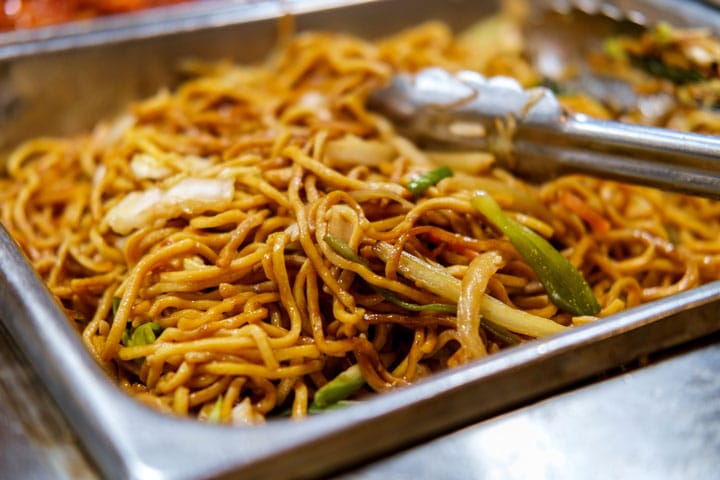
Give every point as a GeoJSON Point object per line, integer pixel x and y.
{"type": "Point", "coordinates": [202, 14]}
{"type": "Point", "coordinates": [156, 22]}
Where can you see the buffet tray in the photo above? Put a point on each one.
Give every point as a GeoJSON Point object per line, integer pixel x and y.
{"type": "Point", "coordinates": [50, 86]}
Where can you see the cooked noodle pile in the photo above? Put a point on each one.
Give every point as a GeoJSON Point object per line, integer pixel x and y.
{"type": "Point", "coordinates": [228, 248]}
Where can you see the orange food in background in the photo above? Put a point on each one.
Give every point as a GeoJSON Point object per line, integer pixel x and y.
{"type": "Point", "coordinates": [19, 14]}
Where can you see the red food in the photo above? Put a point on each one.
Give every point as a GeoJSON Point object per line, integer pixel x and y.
{"type": "Point", "coordinates": [20, 14]}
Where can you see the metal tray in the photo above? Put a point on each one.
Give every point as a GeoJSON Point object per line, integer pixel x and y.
{"type": "Point", "coordinates": [128, 440]}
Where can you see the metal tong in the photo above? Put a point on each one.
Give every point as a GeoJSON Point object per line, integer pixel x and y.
{"type": "Point", "coordinates": [533, 136]}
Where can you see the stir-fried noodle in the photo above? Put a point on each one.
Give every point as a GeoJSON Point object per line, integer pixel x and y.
{"type": "Point", "coordinates": [228, 248]}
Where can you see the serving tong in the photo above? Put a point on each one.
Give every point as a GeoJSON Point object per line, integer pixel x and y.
{"type": "Point", "coordinates": [528, 129]}
{"type": "Point", "coordinates": [534, 136]}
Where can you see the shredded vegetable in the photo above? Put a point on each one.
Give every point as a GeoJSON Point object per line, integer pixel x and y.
{"type": "Point", "coordinates": [339, 388]}
{"type": "Point", "coordinates": [419, 183]}
{"type": "Point", "coordinates": [145, 334]}
{"type": "Point", "coordinates": [437, 280]}
{"type": "Point", "coordinates": [564, 284]}
{"type": "Point", "coordinates": [342, 249]}
{"type": "Point", "coordinates": [656, 67]}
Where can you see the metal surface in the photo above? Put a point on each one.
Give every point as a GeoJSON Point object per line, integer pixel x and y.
{"type": "Point", "coordinates": [152, 23]}
{"type": "Point", "coordinates": [127, 440]}
{"type": "Point", "coordinates": [36, 442]}
{"type": "Point", "coordinates": [644, 12]}
{"type": "Point", "coordinates": [658, 422]}
{"type": "Point", "coordinates": [462, 109]}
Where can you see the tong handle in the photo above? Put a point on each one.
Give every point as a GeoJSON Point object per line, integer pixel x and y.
{"type": "Point", "coordinates": [678, 161]}
{"type": "Point", "coordinates": [671, 147]}
{"type": "Point", "coordinates": [532, 135]}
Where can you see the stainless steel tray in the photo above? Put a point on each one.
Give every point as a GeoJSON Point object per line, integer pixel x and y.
{"type": "Point", "coordinates": [128, 440]}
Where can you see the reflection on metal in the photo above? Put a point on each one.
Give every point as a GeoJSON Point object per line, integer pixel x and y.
{"type": "Point", "coordinates": [35, 440]}
{"type": "Point", "coordinates": [662, 421]}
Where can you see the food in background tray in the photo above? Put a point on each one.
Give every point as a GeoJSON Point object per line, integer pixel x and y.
{"type": "Point", "coordinates": [22, 14]}
{"type": "Point", "coordinates": [256, 243]}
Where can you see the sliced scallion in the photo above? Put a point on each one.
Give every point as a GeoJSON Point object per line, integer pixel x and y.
{"type": "Point", "coordinates": [344, 250]}
{"type": "Point", "coordinates": [145, 334]}
{"type": "Point", "coordinates": [339, 388]}
{"type": "Point", "coordinates": [419, 183]}
{"type": "Point", "coordinates": [564, 284]}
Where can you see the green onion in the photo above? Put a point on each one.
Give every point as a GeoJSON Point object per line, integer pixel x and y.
{"type": "Point", "coordinates": [553, 85]}
{"type": "Point", "coordinates": [115, 305]}
{"type": "Point", "coordinates": [145, 334]}
{"type": "Point", "coordinates": [614, 49]}
{"type": "Point", "coordinates": [418, 184]}
{"type": "Point", "coordinates": [564, 284]}
{"type": "Point", "coordinates": [415, 307]}
{"type": "Point", "coordinates": [663, 33]}
{"type": "Point", "coordinates": [339, 388]}
{"type": "Point", "coordinates": [437, 280]}
{"type": "Point", "coordinates": [125, 338]}
{"type": "Point", "coordinates": [655, 67]}
{"type": "Point", "coordinates": [344, 250]}
{"type": "Point", "coordinates": [500, 333]}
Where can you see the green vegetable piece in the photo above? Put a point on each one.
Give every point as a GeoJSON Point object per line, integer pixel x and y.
{"type": "Point", "coordinates": [564, 284]}
{"type": "Point", "coordinates": [614, 49]}
{"type": "Point", "coordinates": [125, 338]}
{"type": "Point", "coordinates": [655, 67]}
{"type": "Point", "coordinates": [145, 334]}
{"type": "Point", "coordinates": [216, 411]}
{"type": "Point", "coordinates": [339, 388]}
{"type": "Point", "coordinates": [418, 184]}
{"type": "Point", "coordinates": [664, 33]}
{"type": "Point", "coordinates": [415, 307]}
{"type": "Point", "coordinates": [502, 334]}
{"type": "Point", "coordinates": [115, 305]}
{"type": "Point", "coordinates": [344, 250]}
{"type": "Point", "coordinates": [554, 85]}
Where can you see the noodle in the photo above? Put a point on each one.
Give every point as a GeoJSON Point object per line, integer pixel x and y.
{"type": "Point", "coordinates": [228, 249]}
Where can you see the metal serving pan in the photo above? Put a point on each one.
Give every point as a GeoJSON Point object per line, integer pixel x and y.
{"type": "Point", "coordinates": [128, 440]}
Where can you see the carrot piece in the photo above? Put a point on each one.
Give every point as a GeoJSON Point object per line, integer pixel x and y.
{"type": "Point", "coordinates": [598, 224]}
